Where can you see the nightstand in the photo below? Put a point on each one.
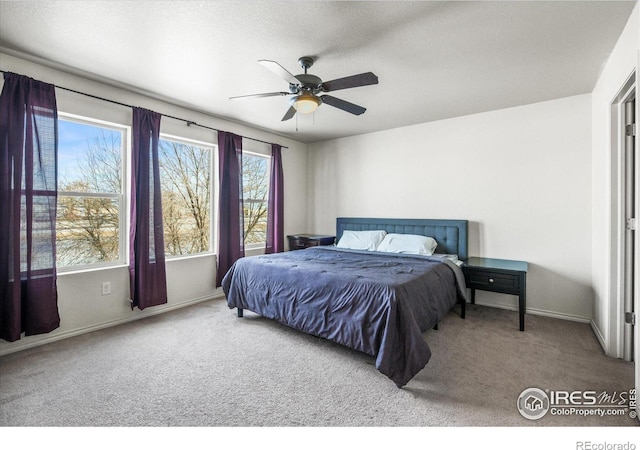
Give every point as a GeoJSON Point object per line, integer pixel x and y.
{"type": "Point", "coordinates": [504, 276]}
{"type": "Point", "coordinates": [300, 241]}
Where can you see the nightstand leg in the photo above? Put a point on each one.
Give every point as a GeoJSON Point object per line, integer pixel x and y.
{"type": "Point", "coordinates": [473, 296]}
{"type": "Point", "coordinates": [522, 298]}
{"type": "Point", "coordinates": [522, 307]}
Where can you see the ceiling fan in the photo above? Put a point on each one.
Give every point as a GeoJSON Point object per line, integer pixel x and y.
{"type": "Point", "coordinates": [307, 91]}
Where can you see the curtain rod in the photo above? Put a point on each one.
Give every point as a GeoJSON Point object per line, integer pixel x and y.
{"type": "Point", "coordinates": [188, 122]}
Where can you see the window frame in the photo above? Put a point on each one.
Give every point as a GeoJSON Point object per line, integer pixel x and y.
{"type": "Point", "coordinates": [267, 157]}
{"type": "Point", "coordinates": [213, 148]}
{"type": "Point", "coordinates": [122, 196]}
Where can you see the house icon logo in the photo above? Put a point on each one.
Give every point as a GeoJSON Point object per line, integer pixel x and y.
{"type": "Point", "coordinates": [533, 403]}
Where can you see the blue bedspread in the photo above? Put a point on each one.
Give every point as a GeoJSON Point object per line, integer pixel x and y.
{"type": "Point", "coordinates": [377, 303]}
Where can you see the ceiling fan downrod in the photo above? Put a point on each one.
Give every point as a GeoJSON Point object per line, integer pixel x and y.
{"type": "Point", "coordinates": [306, 62]}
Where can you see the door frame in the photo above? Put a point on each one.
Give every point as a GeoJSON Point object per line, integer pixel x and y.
{"type": "Point", "coordinates": [616, 310]}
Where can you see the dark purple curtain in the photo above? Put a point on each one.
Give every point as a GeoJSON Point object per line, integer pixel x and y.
{"type": "Point", "coordinates": [28, 200]}
{"type": "Point", "coordinates": [275, 217]}
{"type": "Point", "coordinates": [146, 250]}
{"type": "Point", "coordinates": [230, 216]}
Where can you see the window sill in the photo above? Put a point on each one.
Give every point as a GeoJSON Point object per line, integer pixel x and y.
{"type": "Point", "coordinates": [64, 272]}
{"type": "Point", "coordinates": [170, 259]}
{"type": "Point", "coordinates": [254, 251]}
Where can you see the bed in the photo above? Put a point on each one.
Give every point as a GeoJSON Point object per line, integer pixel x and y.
{"type": "Point", "coordinates": [378, 301]}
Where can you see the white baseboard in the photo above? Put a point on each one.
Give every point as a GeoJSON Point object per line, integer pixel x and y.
{"type": "Point", "coordinates": [541, 312]}
{"type": "Point", "coordinates": [599, 335]}
{"type": "Point", "coordinates": [18, 346]}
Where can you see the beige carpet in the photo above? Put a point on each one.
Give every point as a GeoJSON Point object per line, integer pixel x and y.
{"type": "Point", "coordinates": [203, 366]}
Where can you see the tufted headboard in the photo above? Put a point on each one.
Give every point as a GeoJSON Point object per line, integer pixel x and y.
{"type": "Point", "coordinates": [451, 235]}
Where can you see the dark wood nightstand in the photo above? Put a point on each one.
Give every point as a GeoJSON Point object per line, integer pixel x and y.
{"type": "Point", "coordinates": [300, 241]}
{"type": "Point", "coordinates": [498, 275]}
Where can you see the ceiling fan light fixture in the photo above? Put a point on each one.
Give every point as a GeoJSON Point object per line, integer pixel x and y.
{"type": "Point", "coordinates": [306, 103]}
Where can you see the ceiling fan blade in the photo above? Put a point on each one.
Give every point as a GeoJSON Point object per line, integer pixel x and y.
{"type": "Point", "coordinates": [289, 114]}
{"type": "Point", "coordinates": [363, 79]}
{"type": "Point", "coordinates": [279, 70]}
{"type": "Point", "coordinates": [343, 105]}
{"type": "Point", "coordinates": [266, 94]}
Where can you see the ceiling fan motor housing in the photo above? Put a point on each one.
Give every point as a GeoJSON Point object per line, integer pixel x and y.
{"type": "Point", "coordinates": [309, 82]}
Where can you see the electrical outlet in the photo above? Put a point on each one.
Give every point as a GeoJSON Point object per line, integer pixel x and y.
{"type": "Point", "coordinates": [106, 288]}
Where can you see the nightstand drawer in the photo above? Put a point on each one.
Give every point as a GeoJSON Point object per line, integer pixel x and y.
{"type": "Point", "coordinates": [481, 279]}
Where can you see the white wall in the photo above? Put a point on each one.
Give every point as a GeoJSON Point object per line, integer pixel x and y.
{"type": "Point", "coordinates": [81, 305]}
{"type": "Point", "coordinates": [619, 68]}
{"type": "Point", "coordinates": [521, 176]}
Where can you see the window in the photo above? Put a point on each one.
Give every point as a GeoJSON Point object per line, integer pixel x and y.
{"type": "Point", "coordinates": [185, 177]}
{"type": "Point", "coordinates": [90, 216]}
{"type": "Point", "coordinates": [255, 193]}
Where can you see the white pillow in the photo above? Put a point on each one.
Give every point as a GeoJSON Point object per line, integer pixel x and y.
{"type": "Point", "coordinates": [408, 243]}
{"type": "Point", "coordinates": [361, 240]}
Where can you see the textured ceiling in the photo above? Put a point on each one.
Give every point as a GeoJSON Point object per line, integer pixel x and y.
{"type": "Point", "coordinates": [434, 60]}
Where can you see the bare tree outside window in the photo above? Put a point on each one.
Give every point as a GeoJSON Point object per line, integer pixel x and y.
{"type": "Point", "coordinates": [185, 178]}
{"type": "Point", "coordinates": [89, 199]}
{"type": "Point", "coordinates": [255, 192]}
